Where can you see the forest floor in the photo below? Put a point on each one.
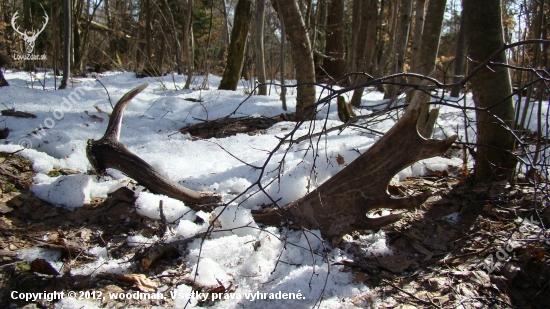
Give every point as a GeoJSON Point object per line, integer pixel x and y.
{"type": "Point", "coordinates": [467, 247]}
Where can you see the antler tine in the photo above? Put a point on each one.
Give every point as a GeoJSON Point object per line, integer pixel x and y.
{"type": "Point", "coordinates": [13, 25]}
{"type": "Point", "coordinates": [45, 23]}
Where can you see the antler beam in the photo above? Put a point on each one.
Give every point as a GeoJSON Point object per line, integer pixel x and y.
{"type": "Point", "coordinates": [109, 152]}
{"type": "Point", "coordinates": [340, 204]}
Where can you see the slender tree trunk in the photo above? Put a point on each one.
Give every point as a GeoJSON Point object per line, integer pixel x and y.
{"type": "Point", "coordinates": [355, 26]}
{"type": "Point", "coordinates": [459, 58]}
{"type": "Point", "coordinates": [431, 35]}
{"type": "Point", "coordinates": [366, 38]}
{"type": "Point", "coordinates": [4, 60]}
{"type": "Point", "coordinates": [188, 46]}
{"type": "Point", "coordinates": [148, 33]}
{"type": "Point", "coordinates": [161, 52]}
{"type": "Point", "coordinates": [318, 42]}
{"type": "Point", "coordinates": [419, 17]}
{"type": "Point", "coordinates": [260, 52]}
{"type": "Point", "coordinates": [537, 31]}
{"type": "Point", "coordinates": [168, 14]}
{"type": "Point", "coordinates": [226, 22]}
{"type": "Point", "coordinates": [66, 44]}
{"type": "Point", "coordinates": [335, 64]}
{"type": "Point", "coordinates": [282, 62]}
{"type": "Point", "coordinates": [235, 57]}
{"type": "Point", "coordinates": [401, 42]}
{"type": "Point", "coordinates": [484, 35]}
{"type": "Point", "coordinates": [302, 56]}
{"type": "Point", "coordinates": [77, 39]}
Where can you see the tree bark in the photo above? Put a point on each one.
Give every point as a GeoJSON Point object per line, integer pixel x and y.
{"type": "Point", "coordinates": [302, 56]}
{"type": "Point", "coordinates": [366, 37]}
{"type": "Point", "coordinates": [431, 35]}
{"type": "Point", "coordinates": [459, 58]}
{"type": "Point", "coordinates": [4, 60]}
{"type": "Point", "coordinates": [168, 14]}
{"type": "Point", "coordinates": [419, 18]}
{"type": "Point", "coordinates": [260, 52]}
{"type": "Point", "coordinates": [188, 46]}
{"type": "Point", "coordinates": [355, 25]}
{"type": "Point", "coordinates": [400, 45]}
{"type": "Point", "coordinates": [282, 55]}
{"type": "Point", "coordinates": [66, 44]}
{"type": "Point", "coordinates": [77, 38]}
{"type": "Point", "coordinates": [148, 33]}
{"type": "Point", "coordinates": [335, 64]}
{"type": "Point", "coordinates": [235, 57]}
{"type": "Point", "coordinates": [493, 160]}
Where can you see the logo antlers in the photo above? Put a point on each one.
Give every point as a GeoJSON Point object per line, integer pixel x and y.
{"type": "Point", "coordinates": [29, 36]}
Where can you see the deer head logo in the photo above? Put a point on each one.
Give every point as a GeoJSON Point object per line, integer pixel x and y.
{"type": "Point", "coordinates": [29, 36]}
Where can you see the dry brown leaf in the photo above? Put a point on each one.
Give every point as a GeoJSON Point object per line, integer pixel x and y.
{"type": "Point", "coordinates": [42, 266]}
{"type": "Point", "coordinates": [422, 250]}
{"type": "Point", "coordinates": [534, 253]}
{"type": "Point", "coordinates": [99, 110]}
{"type": "Point", "coordinates": [139, 281]}
{"type": "Point", "coordinates": [396, 263]}
{"type": "Point", "coordinates": [359, 276]}
{"type": "Point", "coordinates": [340, 160]}
{"type": "Point", "coordinates": [214, 221]}
{"type": "Point", "coordinates": [94, 117]}
{"type": "Point", "coordinates": [12, 112]}
{"type": "Point", "coordinates": [436, 173]}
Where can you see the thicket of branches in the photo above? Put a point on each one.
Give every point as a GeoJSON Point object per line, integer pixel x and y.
{"type": "Point", "coordinates": [159, 35]}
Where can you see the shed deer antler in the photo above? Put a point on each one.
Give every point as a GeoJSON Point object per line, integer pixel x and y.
{"type": "Point", "coordinates": [336, 208]}
{"type": "Point", "coordinates": [340, 204]}
{"type": "Point", "coordinates": [109, 152]}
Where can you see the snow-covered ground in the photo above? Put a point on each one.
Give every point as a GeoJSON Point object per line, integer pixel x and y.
{"type": "Point", "coordinates": [150, 129]}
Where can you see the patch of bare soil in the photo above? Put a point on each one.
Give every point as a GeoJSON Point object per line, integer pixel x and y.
{"type": "Point", "coordinates": [440, 251]}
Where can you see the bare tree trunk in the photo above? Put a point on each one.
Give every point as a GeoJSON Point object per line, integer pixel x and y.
{"type": "Point", "coordinates": [282, 55]}
{"type": "Point", "coordinates": [239, 34]}
{"type": "Point", "coordinates": [401, 42]}
{"type": "Point", "coordinates": [420, 13]}
{"type": "Point", "coordinates": [459, 58]}
{"type": "Point", "coordinates": [168, 14]}
{"type": "Point", "coordinates": [66, 44]}
{"type": "Point", "coordinates": [148, 32]}
{"type": "Point", "coordinates": [77, 39]}
{"type": "Point", "coordinates": [226, 22]}
{"type": "Point", "coordinates": [302, 56]}
{"type": "Point", "coordinates": [536, 59]}
{"type": "Point", "coordinates": [431, 35]}
{"type": "Point", "coordinates": [317, 43]}
{"type": "Point", "coordinates": [4, 60]}
{"type": "Point", "coordinates": [260, 52]}
{"type": "Point", "coordinates": [355, 26]}
{"type": "Point", "coordinates": [161, 52]}
{"type": "Point", "coordinates": [366, 37]}
{"type": "Point", "coordinates": [335, 64]}
{"type": "Point", "coordinates": [491, 86]}
{"type": "Point", "coordinates": [188, 46]}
